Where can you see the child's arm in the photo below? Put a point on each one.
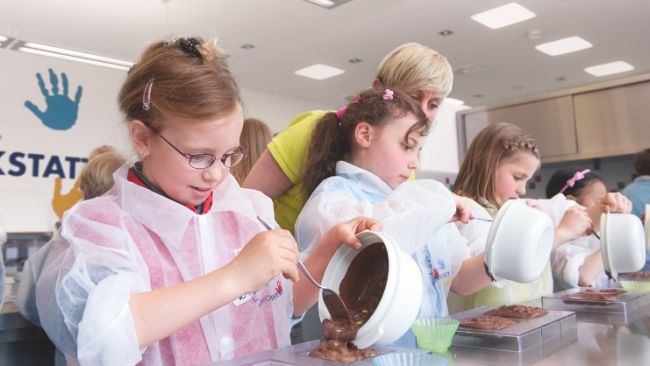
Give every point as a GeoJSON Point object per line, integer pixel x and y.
{"type": "Point", "coordinates": [472, 277]}
{"type": "Point", "coordinates": [159, 313]}
{"type": "Point", "coordinates": [591, 268]}
{"type": "Point", "coordinates": [411, 213]}
{"type": "Point", "coordinates": [570, 259]}
{"type": "Point", "coordinates": [305, 294]}
{"type": "Point", "coordinates": [575, 222]}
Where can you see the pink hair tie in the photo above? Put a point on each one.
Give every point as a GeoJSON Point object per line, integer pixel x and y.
{"type": "Point", "coordinates": [388, 94]}
{"type": "Point", "coordinates": [579, 175]}
{"type": "Point", "coordinates": [341, 112]}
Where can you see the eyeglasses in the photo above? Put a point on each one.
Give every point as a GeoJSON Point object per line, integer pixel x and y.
{"type": "Point", "coordinates": [229, 159]}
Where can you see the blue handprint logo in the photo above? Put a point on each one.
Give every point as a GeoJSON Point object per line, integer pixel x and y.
{"type": "Point", "coordinates": [61, 111]}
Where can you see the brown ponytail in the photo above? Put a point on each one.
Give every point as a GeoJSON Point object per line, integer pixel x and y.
{"type": "Point", "coordinates": [332, 138]}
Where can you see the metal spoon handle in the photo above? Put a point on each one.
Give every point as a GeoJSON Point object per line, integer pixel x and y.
{"type": "Point", "coordinates": [306, 272]}
{"type": "Point", "coordinates": [300, 264]}
{"type": "Point", "coordinates": [482, 219]}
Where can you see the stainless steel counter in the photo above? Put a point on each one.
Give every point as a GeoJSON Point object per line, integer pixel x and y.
{"type": "Point", "coordinates": [21, 342]}
{"type": "Point", "coordinates": [597, 344]}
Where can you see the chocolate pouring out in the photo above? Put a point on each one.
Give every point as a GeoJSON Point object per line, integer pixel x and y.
{"type": "Point", "coordinates": [361, 289]}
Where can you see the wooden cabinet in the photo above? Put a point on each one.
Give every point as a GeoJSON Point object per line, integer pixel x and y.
{"type": "Point", "coordinates": [549, 121]}
{"type": "Point", "coordinates": [613, 121]}
{"type": "Point", "coordinates": [608, 119]}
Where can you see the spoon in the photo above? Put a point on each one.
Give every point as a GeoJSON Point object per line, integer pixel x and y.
{"type": "Point", "coordinates": [482, 219]}
{"type": "Point", "coordinates": [333, 302]}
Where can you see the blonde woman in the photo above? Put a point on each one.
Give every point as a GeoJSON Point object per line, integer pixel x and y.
{"type": "Point", "coordinates": [417, 70]}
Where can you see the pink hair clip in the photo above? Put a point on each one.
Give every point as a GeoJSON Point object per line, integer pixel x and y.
{"type": "Point", "coordinates": [146, 96]}
{"type": "Point", "coordinates": [388, 94]}
{"type": "Point", "coordinates": [579, 175]}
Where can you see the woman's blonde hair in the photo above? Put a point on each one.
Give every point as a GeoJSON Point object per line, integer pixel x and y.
{"type": "Point", "coordinates": [254, 137]}
{"type": "Point", "coordinates": [96, 177]}
{"type": "Point", "coordinates": [477, 176]}
{"type": "Point", "coordinates": [413, 66]}
{"type": "Point", "coordinates": [180, 77]}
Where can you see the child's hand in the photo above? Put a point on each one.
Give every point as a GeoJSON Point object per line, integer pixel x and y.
{"type": "Point", "coordinates": [265, 256]}
{"type": "Point", "coordinates": [533, 203]}
{"type": "Point", "coordinates": [345, 233]}
{"type": "Point", "coordinates": [616, 202]}
{"type": "Point", "coordinates": [463, 212]}
{"type": "Point", "coordinates": [576, 222]}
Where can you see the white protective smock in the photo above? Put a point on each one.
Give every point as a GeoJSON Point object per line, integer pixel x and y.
{"type": "Point", "coordinates": [133, 240]}
{"type": "Point", "coordinates": [568, 257]}
{"type": "Point", "coordinates": [503, 292]}
{"type": "Point", "coordinates": [415, 215]}
{"type": "Point", "coordinates": [26, 294]}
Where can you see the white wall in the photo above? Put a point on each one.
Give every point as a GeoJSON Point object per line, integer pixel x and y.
{"type": "Point", "coordinates": [440, 150]}
{"type": "Point", "coordinates": [276, 110]}
{"type": "Point", "coordinates": [26, 183]}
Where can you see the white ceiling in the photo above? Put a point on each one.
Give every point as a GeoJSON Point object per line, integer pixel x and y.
{"type": "Point", "coordinates": [291, 34]}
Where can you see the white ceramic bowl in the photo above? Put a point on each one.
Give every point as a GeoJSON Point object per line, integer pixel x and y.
{"type": "Point", "coordinates": [519, 242]}
{"type": "Point", "coordinates": [400, 302]}
{"type": "Point", "coordinates": [622, 243]}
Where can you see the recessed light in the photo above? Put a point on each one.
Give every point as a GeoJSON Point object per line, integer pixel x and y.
{"type": "Point", "coordinates": [319, 72]}
{"type": "Point", "coordinates": [445, 32]}
{"type": "Point", "coordinates": [469, 69]}
{"type": "Point", "coordinates": [503, 16]}
{"type": "Point", "coordinates": [355, 60]}
{"type": "Point", "coordinates": [453, 101]}
{"type": "Point", "coordinates": [560, 78]}
{"type": "Point", "coordinates": [564, 46]}
{"type": "Point", "coordinates": [609, 68]}
{"type": "Point", "coordinates": [478, 95]}
{"type": "Point", "coordinates": [247, 46]}
{"type": "Point", "coordinates": [327, 4]}
{"type": "Point", "coordinates": [2, 38]}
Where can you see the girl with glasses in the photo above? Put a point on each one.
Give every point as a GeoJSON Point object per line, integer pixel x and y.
{"type": "Point", "coordinates": [172, 266]}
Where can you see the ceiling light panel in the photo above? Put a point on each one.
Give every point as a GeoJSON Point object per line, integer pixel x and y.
{"type": "Point", "coordinates": [609, 68]}
{"type": "Point", "coordinates": [78, 54]}
{"type": "Point", "coordinates": [564, 46]}
{"type": "Point", "coordinates": [503, 16]}
{"type": "Point", "coordinates": [73, 58]}
{"type": "Point", "coordinates": [319, 72]}
{"type": "Point", "coordinates": [328, 4]}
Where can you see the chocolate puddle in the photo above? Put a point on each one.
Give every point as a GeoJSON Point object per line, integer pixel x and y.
{"type": "Point", "coordinates": [361, 289]}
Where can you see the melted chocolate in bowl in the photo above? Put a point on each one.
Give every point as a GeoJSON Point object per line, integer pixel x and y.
{"type": "Point", "coordinates": [361, 289]}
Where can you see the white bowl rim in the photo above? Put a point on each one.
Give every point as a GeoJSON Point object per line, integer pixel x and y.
{"type": "Point", "coordinates": [496, 224]}
{"type": "Point", "coordinates": [605, 241]}
{"type": "Point", "coordinates": [604, 244]}
{"type": "Point", "coordinates": [492, 233]}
